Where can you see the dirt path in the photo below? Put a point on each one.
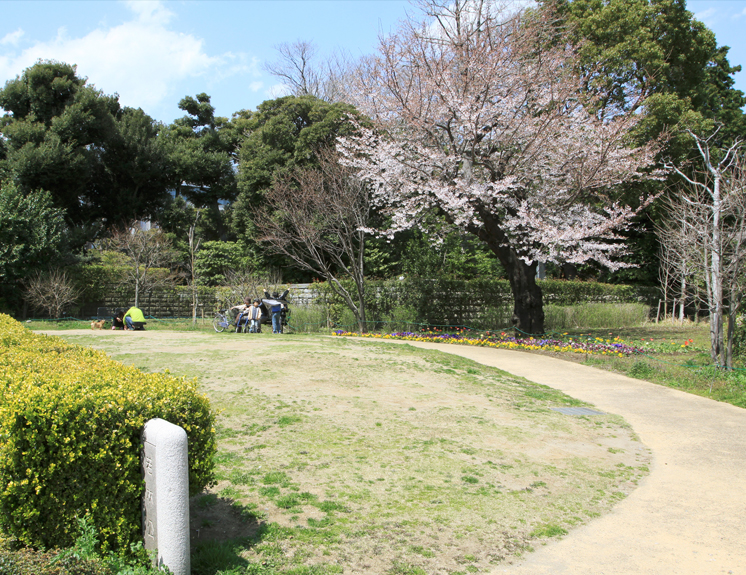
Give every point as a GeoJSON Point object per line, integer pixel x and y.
{"type": "Point", "coordinates": [688, 516]}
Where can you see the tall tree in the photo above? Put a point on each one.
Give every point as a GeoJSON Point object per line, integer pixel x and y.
{"type": "Point", "coordinates": [480, 119]}
{"type": "Point", "coordinates": [706, 230]}
{"type": "Point", "coordinates": [32, 236]}
{"type": "Point", "coordinates": [54, 129]}
{"type": "Point", "coordinates": [285, 133]}
{"type": "Point", "coordinates": [100, 163]}
{"type": "Point", "coordinates": [134, 176]}
{"type": "Point", "coordinates": [281, 135]}
{"type": "Point", "coordinates": [660, 49]}
{"type": "Point", "coordinates": [202, 149]}
{"type": "Point", "coordinates": [298, 68]}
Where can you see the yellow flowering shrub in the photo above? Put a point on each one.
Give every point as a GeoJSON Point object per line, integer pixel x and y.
{"type": "Point", "coordinates": [71, 420]}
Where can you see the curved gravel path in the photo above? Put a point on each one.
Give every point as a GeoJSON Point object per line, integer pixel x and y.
{"type": "Point", "coordinates": [687, 517]}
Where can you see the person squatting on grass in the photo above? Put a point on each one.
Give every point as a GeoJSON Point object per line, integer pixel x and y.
{"type": "Point", "coordinates": [117, 322]}
{"type": "Point", "coordinates": [134, 319]}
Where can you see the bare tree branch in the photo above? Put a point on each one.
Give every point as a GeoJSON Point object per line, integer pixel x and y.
{"type": "Point", "coordinates": [299, 70]}
{"type": "Point", "coordinates": [145, 250]}
{"type": "Point", "coordinates": [53, 292]}
{"type": "Point", "coordinates": [705, 235]}
{"type": "Point", "coordinates": [319, 218]}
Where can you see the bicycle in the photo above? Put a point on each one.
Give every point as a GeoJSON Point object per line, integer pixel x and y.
{"type": "Point", "coordinates": [221, 322]}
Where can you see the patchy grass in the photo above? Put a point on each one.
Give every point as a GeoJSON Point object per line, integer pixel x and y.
{"type": "Point", "coordinates": [338, 455]}
{"type": "Point", "coordinates": [671, 363]}
{"type": "Point", "coordinates": [667, 353]}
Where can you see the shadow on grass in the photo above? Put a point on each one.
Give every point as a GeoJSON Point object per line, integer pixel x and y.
{"type": "Point", "coordinates": [221, 529]}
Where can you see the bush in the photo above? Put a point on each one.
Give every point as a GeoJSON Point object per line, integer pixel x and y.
{"type": "Point", "coordinates": [595, 315]}
{"type": "Point", "coordinates": [739, 337]}
{"type": "Point", "coordinates": [70, 425]}
{"type": "Point", "coordinates": [81, 559]}
{"type": "Point", "coordinates": [480, 303]}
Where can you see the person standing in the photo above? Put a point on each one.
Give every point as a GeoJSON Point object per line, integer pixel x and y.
{"type": "Point", "coordinates": [277, 316]}
{"type": "Point", "coordinates": [255, 315]}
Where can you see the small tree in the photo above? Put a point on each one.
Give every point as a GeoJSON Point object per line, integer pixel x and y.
{"type": "Point", "coordinates": [318, 218]}
{"type": "Point", "coordinates": [52, 291]}
{"type": "Point", "coordinates": [706, 230]}
{"type": "Point", "coordinates": [193, 249]}
{"type": "Point", "coordinates": [249, 283]}
{"type": "Point", "coordinates": [145, 250]}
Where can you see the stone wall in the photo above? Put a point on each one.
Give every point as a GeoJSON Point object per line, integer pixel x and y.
{"type": "Point", "coordinates": [176, 302]}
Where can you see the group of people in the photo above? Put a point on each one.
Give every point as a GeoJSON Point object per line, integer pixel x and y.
{"type": "Point", "coordinates": [249, 314]}
{"type": "Point", "coordinates": [132, 319]}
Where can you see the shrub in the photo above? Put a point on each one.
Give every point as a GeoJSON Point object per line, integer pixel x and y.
{"type": "Point", "coordinates": [595, 315]}
{"type": "Point", "coordinates": [739, 337]}
{"type": "Point", "coordinates": [70, 425]}
{"type": "Point", "coordinates": [479, 303]}
{"type": "Point", "coordinates": [81, 559]}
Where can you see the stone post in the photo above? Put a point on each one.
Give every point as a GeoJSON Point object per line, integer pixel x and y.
{"type": "Point", "coordinates": [165, 507]}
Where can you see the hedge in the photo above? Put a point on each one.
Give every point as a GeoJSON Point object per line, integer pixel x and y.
{"type": "Point", "coordinates": [446, 301]}
{"type": "Point", "coordinates": [71, 420]}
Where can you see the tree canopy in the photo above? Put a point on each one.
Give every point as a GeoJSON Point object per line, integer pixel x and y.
{"type": "Point", "coordinates": [475, 122]}
{"type": "Point", "coordinates": [100, 162]}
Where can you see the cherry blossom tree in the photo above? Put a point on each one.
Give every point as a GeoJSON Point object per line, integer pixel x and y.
{"type": "Point", "coordinates": [480, 116]}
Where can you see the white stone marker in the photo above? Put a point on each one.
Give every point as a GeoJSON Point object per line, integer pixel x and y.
{"type": "Point", "coordinates": [165, 506]}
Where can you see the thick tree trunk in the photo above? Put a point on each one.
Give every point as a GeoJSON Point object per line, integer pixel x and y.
{"type": "Point", "coordinates": [528, 305]}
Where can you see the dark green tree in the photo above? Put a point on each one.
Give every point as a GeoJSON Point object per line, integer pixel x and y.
{"type": "Point", "coordinates": [655, 48]}
{"type": "Point", "coordinates": [202, 150]}
{"type": "Point", "coordinates": [281, 135]}
{"type": "Point", "coordinates": [32, 235]}
{"type": "Point", "coordinates": [134, 176]}
{"type": "Point", "coordinates": [101, 164]}
{"type": "Point", "coordinates": [285, 133]}
{"type": "Point", "coordinates": [54, 128]}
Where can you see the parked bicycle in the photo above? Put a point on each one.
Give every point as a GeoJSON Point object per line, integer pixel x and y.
{"type": "Point", "coordinates": [221, 321]}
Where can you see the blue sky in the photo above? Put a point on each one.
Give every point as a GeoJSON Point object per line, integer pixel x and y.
{"type": "Point", "coordinates": [153, 53]}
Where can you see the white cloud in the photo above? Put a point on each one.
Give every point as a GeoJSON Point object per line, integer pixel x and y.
{"type": "Point", "coordinates": [707, 17]}
{"type": "Point", "coordinates": [256, 86]}
{"type": "Point", "coordinates": [150, 11]}
{"type": "Point", "coordinates": [142, 59]}
{"type": "Point", "coordinates": [12, 37]}
{"type": "Point", "coordinates": [277, 91]}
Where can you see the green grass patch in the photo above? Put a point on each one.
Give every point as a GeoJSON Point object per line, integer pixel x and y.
{"type": "Point", "coordinates": [322, 464]}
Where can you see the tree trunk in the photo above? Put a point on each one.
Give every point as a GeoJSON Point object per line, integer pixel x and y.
{"type": "Point", "coordinates": [734, 304]}
{"type": "Point", "coordinates": [528, 306]}
{"type": "Point", "coordinates": [137, 288]}
{"type": "Point", "coordinates": [716, 282]}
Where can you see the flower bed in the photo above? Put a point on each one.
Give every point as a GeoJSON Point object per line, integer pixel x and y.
{"type": "Point", "coordinates": [557, 343]}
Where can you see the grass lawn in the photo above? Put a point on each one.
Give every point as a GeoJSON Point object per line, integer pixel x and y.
{"type": "Point", "coordinates": [669, 362]}
{"type": "Point", "coordinates": [667, 353]}
{"type": "Point", "coordinates": [343, 456]}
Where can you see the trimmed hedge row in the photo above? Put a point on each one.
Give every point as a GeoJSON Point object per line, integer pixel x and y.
{"type": "Point", "coordinates": [445, 301]}
{"type": "Point", "coordinates": [71, 420]}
